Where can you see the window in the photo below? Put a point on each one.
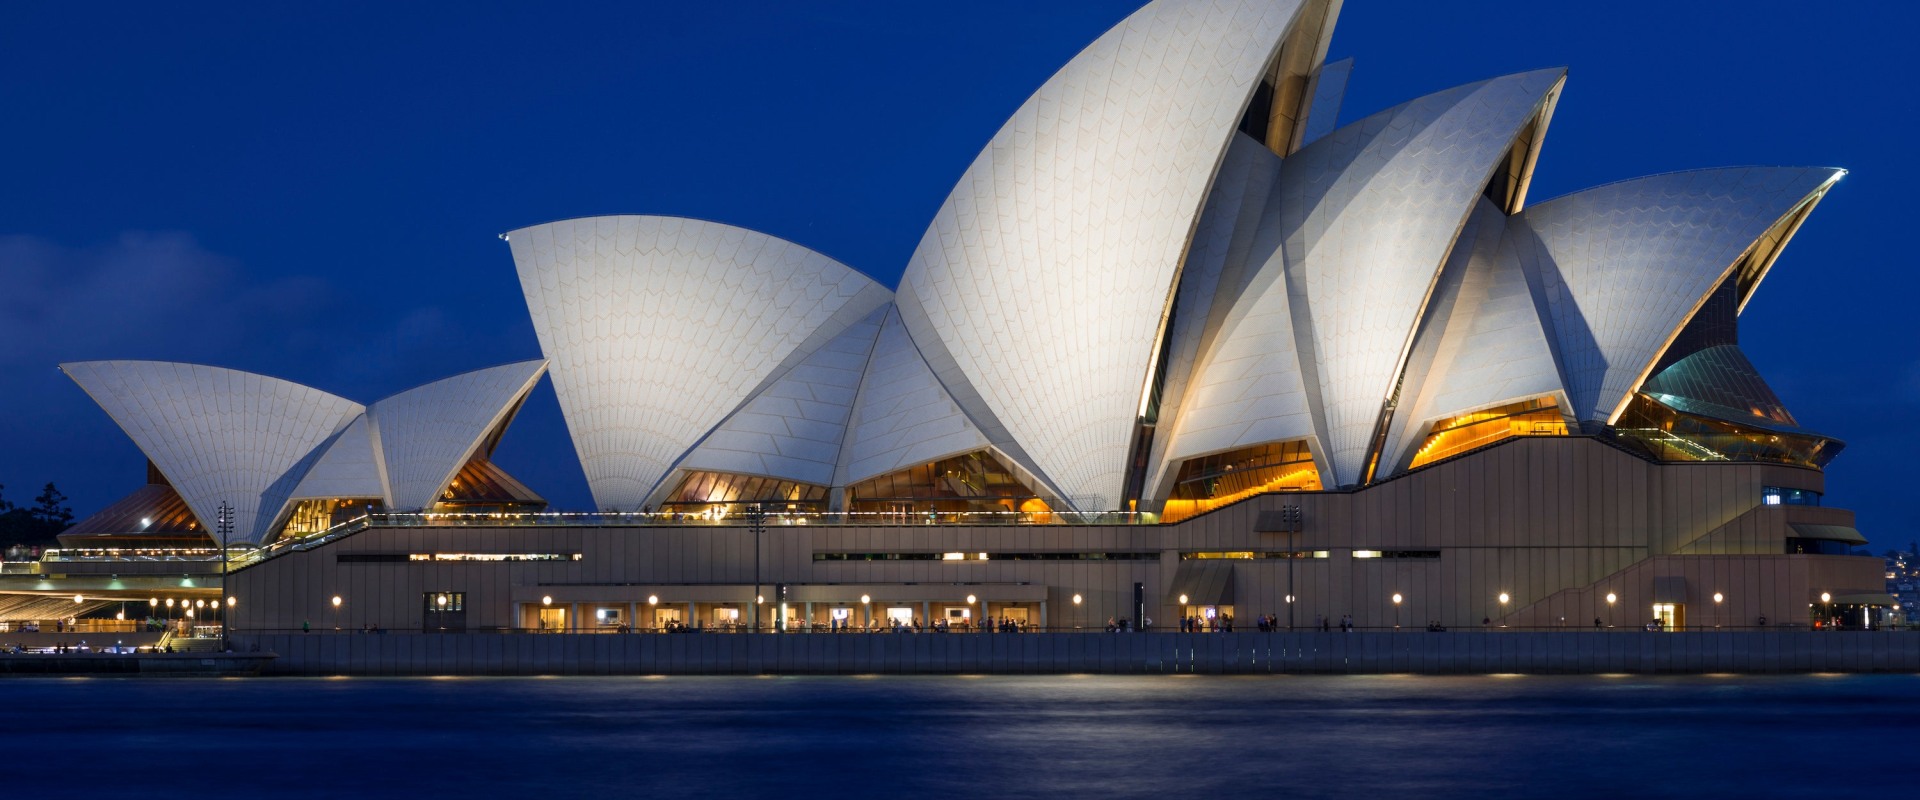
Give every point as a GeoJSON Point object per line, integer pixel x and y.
{"type": "Point", "coordinates": [966, 557]}
{"type": "Point", "coordinates": [1209, 482]}
{"type": "Point", "coordinates": [1397, 554]}
{"type": "Point", "coordinates": [1778, 496]}
{"type": "Point", "coordinates": [1450, 437]}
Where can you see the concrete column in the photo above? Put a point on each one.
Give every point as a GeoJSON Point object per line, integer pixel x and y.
{"type": "Point", "coordinates": [926, 613]}
{"type": "Point", "coordinates": [985, 614]}
{"type": "Point", "coordinates": [573, 617]}
{"type": "Point", "coordinates": [809, 612]}
{"type": "Point", "coordinates": [633, 616]}
{"type": "Point", "coordinates": [690, 618]}
{"type": "Point", "coordinates": [1043, 615]}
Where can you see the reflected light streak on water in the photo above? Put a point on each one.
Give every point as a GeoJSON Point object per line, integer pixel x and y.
{"type": "Point", "coordinates": [1397, 736]}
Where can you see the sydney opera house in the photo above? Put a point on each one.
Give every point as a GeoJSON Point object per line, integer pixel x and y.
{"type": "Point", "coordinates": [1177, 345]}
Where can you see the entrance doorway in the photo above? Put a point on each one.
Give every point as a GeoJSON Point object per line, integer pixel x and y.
{"type": "Point", "coordinates": [553, 619]}
{"type": "Point", "coordinates": [664, 618]}
{"type": "Point", "coordinates": [1669, 616]}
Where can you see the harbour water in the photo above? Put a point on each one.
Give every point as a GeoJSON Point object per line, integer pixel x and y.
{"type": "Point", "coordinates": [1396, 737]}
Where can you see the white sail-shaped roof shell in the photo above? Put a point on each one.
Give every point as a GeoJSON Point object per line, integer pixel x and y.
{"type": "Point", "coordinates": [903, 415]}
{"type": "Point", "coordinates": [219, 435]}
{"type": "Point", "coordinates": [1482, 345]}
{"type": "Point", "coordinates": [1042, 281]}
{"type": "Point", "coordinates": [348, 469]}
{"type": "Point", "coordinates": [795, 428]}
{"type": "Point", "coordinates": [1369, 214]}
{"type": "Point", "coordinates": [1622, 267]}
{"type": "Point", "coordinates": [1234, 376]}
{"type": "Point", "coordinates": [658, 328]}
{"type": "Point", "coordinates": [426, 434]}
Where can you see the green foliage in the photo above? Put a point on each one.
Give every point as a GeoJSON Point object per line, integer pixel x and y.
{"type": "Point", "coordinates": [37, 525]}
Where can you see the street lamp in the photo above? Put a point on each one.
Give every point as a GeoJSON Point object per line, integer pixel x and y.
{"type": "Point", "coordinates": [1611, 598]}
{"type": "Point", "coordinates": [866, 609]}
{"type": "Point", "coordinates": [1717, 597]}
{"type": "Point", "coordinates": [336, 612]}
{"type": "Point", "coordinates": [1396, 610]}
{"type": "Point", "coordinates": [1826, 599]}
{"type": "Point", "coordinates": [1077, 618]}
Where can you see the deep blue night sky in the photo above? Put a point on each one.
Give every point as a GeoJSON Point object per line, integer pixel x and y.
{"type": "Point", "coordinates": [314, 191]}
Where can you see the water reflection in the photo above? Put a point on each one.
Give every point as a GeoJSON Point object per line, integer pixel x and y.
{"type": "Point", "coordinates": [1394, 735]}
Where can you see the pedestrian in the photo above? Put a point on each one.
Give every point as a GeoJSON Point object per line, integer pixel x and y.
{"type": "Point", "coordinates": [306, 626]}
{"type": "Point", "coordinates": [1596, 623]}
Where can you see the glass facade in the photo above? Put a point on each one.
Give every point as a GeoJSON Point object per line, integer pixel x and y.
{"type": "Point", "coordinates": [1670, 435]}
{"type": "Point", "coordinates": [976, 481]}
{"type": "Point", "coordinates": [1209, 482]}
{"type": "Point", "coordinates": [724, 494]}
{"type": "Point", "coordinates": [1539, 416]}
{"type": "Point", "coordinates": [315, 516]}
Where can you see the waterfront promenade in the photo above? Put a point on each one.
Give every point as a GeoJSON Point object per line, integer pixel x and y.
{"type": "Point", "coordinates": [1367, 652]}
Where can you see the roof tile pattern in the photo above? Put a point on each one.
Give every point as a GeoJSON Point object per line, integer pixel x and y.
{"type": "Point", "coordinates": [219, 435]}
{"type": "Point", "coordinates": [903, 416]}
{"type": "Point", "coordinates": [657, 328]}
{"type": "Point", "coordinates": [428, 433]}
{"type": "Point", "coordinates": [1482, 344]}
{"type": "Point", "coordinates": [794, 429]}
{"type": "Point", "coordinates": [1369, 213]}
{"type": "Point", "coordinates": [348, 469]}
{"type": "Point", "coordinates": [1623, 266]}
{"type": "Point", "coordinates": [1042, 279]}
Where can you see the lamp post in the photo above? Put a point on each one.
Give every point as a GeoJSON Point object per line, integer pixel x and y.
{"type": "Point", "coordinates": [1290, 514]}
{"type": "Point", "coordinates": [866, 609]}
{"type": "Point", "coordinates": [1504, 599]}
{"type": "Point", "coordinates": [757, 523]}
{"type": "Point", "coordinates": [336, 613]}
{"type": "Point", "coordinates": [1611, 598]}
{"type": "Point", "coordinates": [1396, 610]}
{"type": "Point", "coordinates": [226, 640]}
{"type": "Point", "coordinates": [1826, 601]}
{"type": "Point", "coordinates": [1078, 620]}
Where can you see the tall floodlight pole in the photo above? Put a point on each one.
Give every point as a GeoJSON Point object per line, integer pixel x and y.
{"type": "Point", "coordinates": [225, 529]}
{"type": "Point", "coordinates": [757, 523]}
{"type": "Point", "coordinates": [1291, 515]}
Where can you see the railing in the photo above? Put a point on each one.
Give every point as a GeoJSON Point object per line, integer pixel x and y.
{"type": "Point", "coordinates": [153, 554]}
{"type": "Point", "coordinates": [1155, 631]}
{"type": "Point", "coordinates": [563, 519]}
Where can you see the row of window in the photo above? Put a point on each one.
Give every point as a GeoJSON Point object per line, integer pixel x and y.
{"type": "Point", "coordinates": [402, 558]}
{"type": "Point", "coordinates": [986, 556]}
{"type": "Point", "coordinates": [1247, 555]}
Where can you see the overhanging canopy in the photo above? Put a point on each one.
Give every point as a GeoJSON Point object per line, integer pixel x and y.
{"type": "Point", "coordinates": [1870, 599]}
{"type": "Point", "coordinates": [1831, 533]}
{"type": "Point", "coordinates": [1205, 583]}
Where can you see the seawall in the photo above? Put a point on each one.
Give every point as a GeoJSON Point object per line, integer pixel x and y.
{"type": "Point", "coordinates": [1586, 652]}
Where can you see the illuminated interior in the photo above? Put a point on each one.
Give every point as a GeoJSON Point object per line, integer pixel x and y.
{"type": "Point", "coordinates": [723, 493]}
{"type": "Point", "coordinates": [314, 516]}
{"type": "Point", "coordinates": [973, 482]}
{"type": "Point", "coordinates": [482, 486]}
{"type": "Point", "coordinates": [1539, 416]}
{"type": "Point", "coordinates": [1671, 435]}
{"type": "Point", "coordinates": [1209, 482]}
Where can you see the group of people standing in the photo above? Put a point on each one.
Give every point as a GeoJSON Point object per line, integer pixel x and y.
{"type": "Point", "coordinates": [1217, 623]}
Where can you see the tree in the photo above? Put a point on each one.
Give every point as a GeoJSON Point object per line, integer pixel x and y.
{"type": "Point", "coordinates": [4, 505]}
{"type": "Point", "coordinates": [50, 512]}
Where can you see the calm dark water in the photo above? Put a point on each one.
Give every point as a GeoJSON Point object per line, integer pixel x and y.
{"type": "Point", "coordinates": [1398, 737]}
